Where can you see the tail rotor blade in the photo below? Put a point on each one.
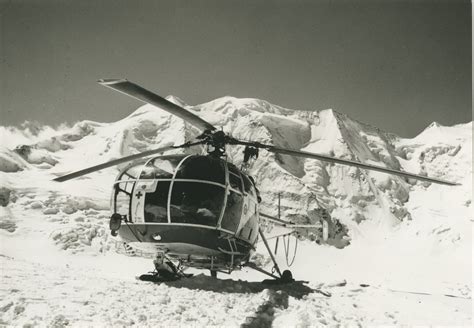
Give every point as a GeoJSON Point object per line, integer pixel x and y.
{"type": "Point", "coordinates": [135, 91]}
{"type": "Point", "coordinates": [119, 161]}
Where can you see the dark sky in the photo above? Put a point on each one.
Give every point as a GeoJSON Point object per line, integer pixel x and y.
{"type": "Point", "coordinates": [398, 65]}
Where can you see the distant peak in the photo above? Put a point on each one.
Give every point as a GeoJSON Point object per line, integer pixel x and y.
{"type": "Point", "coordinates": [434, 125]}
{"type": "Point", "coordinates": [254, 104]}
{"type": "Point", "coordinates": [175, 100]}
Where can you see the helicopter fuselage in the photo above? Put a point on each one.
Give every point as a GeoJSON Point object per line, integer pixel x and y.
{"type": "Point", "coordinates": [199, 210]}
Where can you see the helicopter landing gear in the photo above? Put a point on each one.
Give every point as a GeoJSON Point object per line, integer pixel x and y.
{"type": "Point", "coordinates": [165, 270]}
{"type": "Point", "coordinates": [284, 277]}
{"type": "Point", "coordinates": [277, 268]}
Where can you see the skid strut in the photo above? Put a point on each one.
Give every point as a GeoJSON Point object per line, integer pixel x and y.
{"type": "Point", "coordinates": [277, 268]}
{"type": "Point", "coordinates": [256, 268]}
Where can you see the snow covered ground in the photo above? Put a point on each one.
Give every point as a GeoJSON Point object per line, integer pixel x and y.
{"type": "Point", "coordinates": [408, 261]}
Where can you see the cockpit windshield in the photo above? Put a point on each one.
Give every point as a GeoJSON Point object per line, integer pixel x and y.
{"type": "Point", "coordinates": [203, 168]}
{"type": "Point", "coordinates": [187, 191]}
{"type": "Point", "coordinates": [196, 202]}
{"type": "Point", "coordinates": [160, 167]}
{"type": "Point", "coordinates": [181, 189]}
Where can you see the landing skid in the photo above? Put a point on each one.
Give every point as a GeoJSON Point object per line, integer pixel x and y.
{"type": "Point", "coordinates": [156, 277]}
{"type": "Point", "coordinates": [165, 270]}
{"type": "Point", "coordinates": [286, 276]}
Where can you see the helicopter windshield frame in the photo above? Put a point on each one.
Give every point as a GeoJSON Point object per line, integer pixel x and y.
{"type": "Point", "coordinates": [200, 191]}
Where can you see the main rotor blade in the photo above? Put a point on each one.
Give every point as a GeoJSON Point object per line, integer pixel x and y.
{"type": "Point", "coordinates": [119, 160]}
{"type": "Point", "coordinates": [330, 159]}
{"type": "Point", "coordinates": [135, 91]}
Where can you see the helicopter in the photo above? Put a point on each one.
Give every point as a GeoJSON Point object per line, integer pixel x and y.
{"type": "Point", "coordinates": [198, 211]}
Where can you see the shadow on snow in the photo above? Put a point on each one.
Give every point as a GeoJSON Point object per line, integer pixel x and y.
{"type": "Point", "coordinates": [278, 294]}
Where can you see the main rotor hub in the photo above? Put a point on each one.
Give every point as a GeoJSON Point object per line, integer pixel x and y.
{"type": "Point", "coordinates": [215, 141]}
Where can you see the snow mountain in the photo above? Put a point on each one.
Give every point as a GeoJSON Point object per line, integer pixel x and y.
{"type": "Point", "coordinates": [390, 222]}
{"type": "Point", "coordinates": [350, 194]}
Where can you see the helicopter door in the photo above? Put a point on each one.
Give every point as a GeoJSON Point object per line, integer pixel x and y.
{"type": "Point", "coordinates": [142, 187]}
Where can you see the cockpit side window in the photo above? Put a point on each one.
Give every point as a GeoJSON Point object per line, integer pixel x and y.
{"type": "Point", "coordinates": [248, 185]}
{"type": "Point", "coordinates": [235, 181]}
{"type": "Point", "coordinates": [234, 177]}
{"type": "Point", "coordinates": [122, 197]}
{"type": "Point", "coordinates": [233, 211]}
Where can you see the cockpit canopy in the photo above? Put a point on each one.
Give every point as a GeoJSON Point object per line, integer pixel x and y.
{"type": "Point", "coordinates": [198, 190]}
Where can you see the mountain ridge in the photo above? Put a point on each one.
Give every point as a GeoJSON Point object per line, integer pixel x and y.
{"type": "Point", "coordinates": [349, 194]}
